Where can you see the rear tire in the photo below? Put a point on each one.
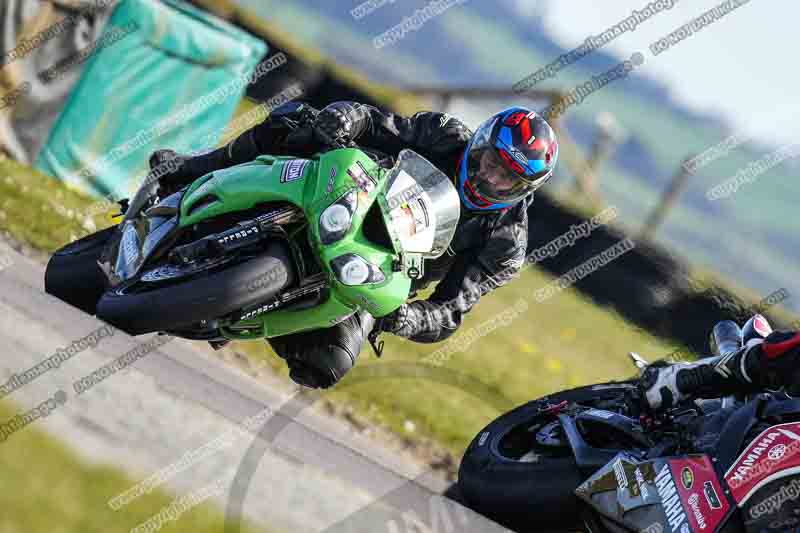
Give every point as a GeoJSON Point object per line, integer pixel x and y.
{"type": "Point", "coordinates": [524, 495]}
{"type": "Point", "coordinates": [180, 305]}
{"type": "Point", "coordinates": [72, 274]}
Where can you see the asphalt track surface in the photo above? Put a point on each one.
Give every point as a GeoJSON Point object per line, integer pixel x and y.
{"type": "Point", "coordinates": [301, 472]}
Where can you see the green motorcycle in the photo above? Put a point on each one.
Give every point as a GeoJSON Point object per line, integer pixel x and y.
{"type": "Point", "coordinates": [276, 246]}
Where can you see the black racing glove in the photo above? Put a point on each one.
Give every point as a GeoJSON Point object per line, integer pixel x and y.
{"type": "Point", "coordinates": [393, 321]}
{"type": "Point", "coordinates": [167, 167]}
{"type": "Point", "coordinates": [341, 122]}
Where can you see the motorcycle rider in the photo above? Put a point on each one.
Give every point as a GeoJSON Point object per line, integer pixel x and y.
{"type": "Point", "coordinates": [495, 171]}
{"type": "Point", "coordinates": [763, 363]}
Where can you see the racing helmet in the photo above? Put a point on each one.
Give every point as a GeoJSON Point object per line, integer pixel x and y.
{"type": "Point", "coordinates": [511, 154]}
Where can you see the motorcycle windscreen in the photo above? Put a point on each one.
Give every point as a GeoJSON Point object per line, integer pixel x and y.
{"type": "Point", "coordinates": [142, 232]}
{"type": "Point", "coordinates": [124, 267]}
{"type": "Point", "coordinates": [139, 239]}
{"type": "Point", "coordinates": [665, 495]}
{"type": "Point", "coordinates": [421, 206]}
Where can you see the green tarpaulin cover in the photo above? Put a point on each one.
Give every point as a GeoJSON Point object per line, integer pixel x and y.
{"type": "Point", "coordinates": [164, 75]}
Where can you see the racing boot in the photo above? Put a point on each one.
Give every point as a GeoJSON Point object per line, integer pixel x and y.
{"type": "Point", "coordinates": [769, 363]}
{"type": "Point", "coordinates": [174, 171]}
{"type": "Point", "coordinates": [320, 358]}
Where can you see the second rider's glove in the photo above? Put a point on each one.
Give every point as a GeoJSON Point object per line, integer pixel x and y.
{"type": "Point", "coordinates": [769, 363]}
{"type": "Point", "coordinates": [665, 386]}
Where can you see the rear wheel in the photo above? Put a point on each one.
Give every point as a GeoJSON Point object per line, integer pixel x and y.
{"type": "Point", "coordinates": [145, 308]}
{"type": "Point", "coordinates": [520, 471]}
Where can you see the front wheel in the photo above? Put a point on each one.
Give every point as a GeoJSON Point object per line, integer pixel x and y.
{"type": "Point", "coordinates": [180, 305]}
{"type": "Point", "coordinates": [73, 275]}
{"type": "Point", "coordinates": [520, 471]}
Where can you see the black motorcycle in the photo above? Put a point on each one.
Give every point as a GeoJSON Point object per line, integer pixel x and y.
{"type": "Point", "coordinates": [597, 459]}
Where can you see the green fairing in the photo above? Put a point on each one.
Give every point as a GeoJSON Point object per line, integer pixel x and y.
{"type": "Point", "coordinates": [249, 184]}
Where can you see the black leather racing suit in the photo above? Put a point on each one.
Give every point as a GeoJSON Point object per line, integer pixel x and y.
{"type": "Point", "coordinates": [486, 252]}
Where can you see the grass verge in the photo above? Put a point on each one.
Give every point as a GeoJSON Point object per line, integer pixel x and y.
{"type": "Point", "coordinates": [42, 212]}
{"type": "Point", "coordinates": [50, 490]}
{"type": "Point", "coordinates": [563, 342]}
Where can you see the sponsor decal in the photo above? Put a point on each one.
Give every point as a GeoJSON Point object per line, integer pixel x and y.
{"type": "Point", "coordinates": [694, 504]}
{"type": "Point", "coordinates": [619, 471]}
{"type": "Point", "coordinates": [787, 493]}
{"type": "Point", "coordinates": [774, 451]}
{"type": "Point", "coordinates": [704, 512]}
{"type": "Point", "coordinates": [743, 467]}
{"type": "Point", "coordinates": [261, 310]}
{"type": "Point", "coordinates": [482, 440]}
{"type": "Point", "coordinates": [331, 179]}
{"type": "Point", "coordinates": [293, 170]}
{"type": "Point", "coordinates": [711, 495]}
{"type": "Point", "coordinates": [444, 120]}
{"type": "Point", "coordinates": [676, 509]}
{"type": "Point", "coordinates": [643, 491]}
{"type": "Point", "coordinates": [687, 477]}
{"type": "Point", "coordinates": [361, 177]}
{"type": "Point", "coordinates": [239, 235]}
{"type": "Point", "coordinates": [670, 499]}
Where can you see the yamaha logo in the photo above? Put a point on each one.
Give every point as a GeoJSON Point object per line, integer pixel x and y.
{"type": "Point", "coordinates": [670, 501]}
{"type": "Point", "coordinates": [777, 452]}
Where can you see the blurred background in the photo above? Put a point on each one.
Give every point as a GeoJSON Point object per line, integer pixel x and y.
{"type": "Point", "coordinates": [652, 145]}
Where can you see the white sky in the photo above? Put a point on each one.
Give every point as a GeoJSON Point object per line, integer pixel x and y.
{"type": "Point", "coordinates": [743, 65]}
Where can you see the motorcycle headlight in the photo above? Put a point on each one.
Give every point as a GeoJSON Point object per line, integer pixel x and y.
{"type": "Point", "coordinates": [351, 269]}
{"type": "Point", "coordinates": [336, 219]}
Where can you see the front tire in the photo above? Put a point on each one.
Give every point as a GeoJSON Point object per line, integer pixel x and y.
{"type": "Point", "coordinates": [509, 477]}
{"type": "Point", "coordinates": [72, 274]}
{"type": "Point", "coordinates": [180, 305]}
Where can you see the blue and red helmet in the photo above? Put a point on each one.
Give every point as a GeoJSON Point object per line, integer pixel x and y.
{"type": "Point", "coordinates": [510, 155]}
